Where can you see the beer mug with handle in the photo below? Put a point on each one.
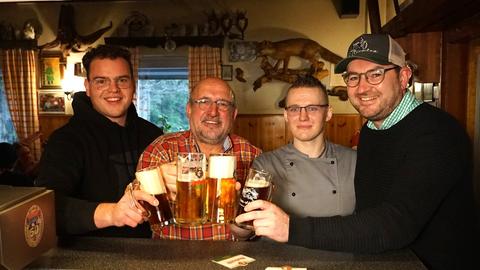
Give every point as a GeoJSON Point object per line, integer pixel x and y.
{"type": "Point", "coordinates": [151, 181]}
{"type": "Point", "coordinates": [191, 188]}
{"type": "Point", "coordinates": [221, 194]}
{"type": "Point", "coordinates": [258, 186]}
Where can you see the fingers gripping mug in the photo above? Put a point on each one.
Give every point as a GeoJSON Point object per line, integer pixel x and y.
{"type": "Point", "coordinates": [151, 181]}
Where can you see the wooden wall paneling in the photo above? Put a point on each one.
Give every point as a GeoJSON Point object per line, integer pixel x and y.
{"type": "Point", "coordinates": [454, 86]}
{"type": "Point", "coordinates": [416, 45]}
{"type": "Point", "coordinates": [342, 127]}
{"type": "Point", "coordinates": [272, 132]}
{"type": "Point", "coordinates": [472, 87]}
{"type": "Point", "coordinates": [246, 126]}
{"type": "Point", "coordinates": [264, 131]}
{"type": "Point", "coordinates": [473, 123]}
{"type": "Point", "coordinates": [50, 122]}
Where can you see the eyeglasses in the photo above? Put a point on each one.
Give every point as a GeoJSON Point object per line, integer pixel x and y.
{"type": "Point", "coordinates": [373, 76]}
{"type": "Point", "coordinates": [314, 108]}
{"type": "Point", "coordinates": [102, 83]}
{"type": "Point", "coordinates": [205, 104]}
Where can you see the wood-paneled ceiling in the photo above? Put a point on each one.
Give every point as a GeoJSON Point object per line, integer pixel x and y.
{"type": "Point", "coordinates": [460, 18]}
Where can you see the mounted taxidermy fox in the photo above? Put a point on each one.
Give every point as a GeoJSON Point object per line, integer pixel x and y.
{"type": "Point", "coordinates": [301, 47]}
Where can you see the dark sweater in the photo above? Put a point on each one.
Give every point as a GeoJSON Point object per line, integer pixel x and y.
{"type": "Point", "coordinates": [413, 189]}
{"type": "Point", "coordinates": [90, 160]}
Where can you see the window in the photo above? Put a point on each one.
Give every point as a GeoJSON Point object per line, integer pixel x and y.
{"type": "Point", "coordinates": [7, 131]}
{"type": "Point", "coordinates": [163, 91]}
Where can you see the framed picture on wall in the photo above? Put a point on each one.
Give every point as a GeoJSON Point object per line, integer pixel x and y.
{"type": "Point", "coordinates": [51, 101]}
{"type": "Point", "coordinates": [227, 72]}
{"type": "Point", "coordinates": [51, 66]}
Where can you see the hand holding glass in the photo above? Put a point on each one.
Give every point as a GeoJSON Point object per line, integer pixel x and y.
{"type": "Point", "coordinates": [151, 181]}
{"type": "Point", "coordinates": [258, 186]}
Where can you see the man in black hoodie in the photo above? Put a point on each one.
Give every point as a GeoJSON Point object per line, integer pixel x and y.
{"type": "Point", "coordinates": [90, 161]}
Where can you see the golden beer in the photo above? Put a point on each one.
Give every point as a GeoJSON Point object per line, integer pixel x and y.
{"type": "Point", "coordinates": [191, 188]}
{"type": "Point", "coordinates": [221, 195]}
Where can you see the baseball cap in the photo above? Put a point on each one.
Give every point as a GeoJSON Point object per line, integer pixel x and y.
{"type": "Point", "coordinates": [378, 48]}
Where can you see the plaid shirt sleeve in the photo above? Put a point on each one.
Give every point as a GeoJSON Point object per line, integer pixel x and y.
{"type": "Point", "coordinates": [164, 149]}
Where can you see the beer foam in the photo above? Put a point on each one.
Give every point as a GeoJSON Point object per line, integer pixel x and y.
{"type": "Point", "coordinates": [257, 183]}
{"type": "Point", "coordinates": [221, 166]}
{"type": "Point", "coordinates": [151, 181]}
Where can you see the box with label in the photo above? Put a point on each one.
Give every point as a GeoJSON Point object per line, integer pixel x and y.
{"type": "Point", "coordinates": [27, 225]}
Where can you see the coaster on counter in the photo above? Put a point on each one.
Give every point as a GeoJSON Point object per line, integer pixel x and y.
{"type": "Point", "coordinates": [285, 267]}
{"type": "Point", "coordinates": [234, 261]}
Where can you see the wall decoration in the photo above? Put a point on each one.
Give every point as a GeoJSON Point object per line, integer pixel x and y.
{"type": "Point", "coordinates": [51, 66]}
{"type": "Point", "coordinates": [242, 51]}
{"type": "Point", "coordinates": [67, 37]}
{"type": "Point", "coordinates": [227, 72]}
{"type": "Point", "coordinates": [280, 52]}
{"type": "Point", "coordinates": [229, 24]}
{"type": "Point", "coordinates": [240, 75]}
{"type": "Point", "coordinates": [51, 102]}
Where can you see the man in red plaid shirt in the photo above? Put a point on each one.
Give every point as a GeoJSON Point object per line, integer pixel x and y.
{"type": "Point", "coordinates": [211, 111]}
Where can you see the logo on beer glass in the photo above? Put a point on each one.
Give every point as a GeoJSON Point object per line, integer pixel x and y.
{"type": "Point", "coordinates": [258, 186]}
{"type": "Point", "coordinates": [191, 188]}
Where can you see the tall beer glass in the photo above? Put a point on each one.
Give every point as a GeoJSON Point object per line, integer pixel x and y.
{"type": "Point", "coordinates": [151, 181]}
{"type": "Point", "coordinates": [258, 186]}
{"type": "Point", "coordinates": [191, 188]}
{"type": "Point", "coordinates": [221, 193]}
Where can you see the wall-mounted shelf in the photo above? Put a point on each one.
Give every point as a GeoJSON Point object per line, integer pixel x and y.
{"type": "Point", "coordinates": [18, 44]}
{"type": "Point", "coordinates": [153, 42]}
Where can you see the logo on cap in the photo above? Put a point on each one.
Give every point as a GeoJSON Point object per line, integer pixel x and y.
{"type": "Point", "coordinates": [360, 47]}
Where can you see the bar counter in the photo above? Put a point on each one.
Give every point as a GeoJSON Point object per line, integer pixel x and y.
{"type": "Point", "coordinates": [128, 253]}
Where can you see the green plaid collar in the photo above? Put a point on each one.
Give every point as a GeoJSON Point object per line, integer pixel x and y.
{"type": "Point", "coordinates": [408, 104]}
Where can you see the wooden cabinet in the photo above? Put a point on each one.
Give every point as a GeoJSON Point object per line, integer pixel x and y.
{"type": "Point", "coordinates": [270, 131]}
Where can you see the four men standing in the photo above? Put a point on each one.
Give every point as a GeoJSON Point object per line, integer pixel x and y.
{"type": "Point", "coordinates": [412, 176]}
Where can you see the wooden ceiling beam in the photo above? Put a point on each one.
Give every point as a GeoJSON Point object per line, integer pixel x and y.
{"type": "Point", "coordinates": [466, 30]}
{"type": "Point", "coordinates": [429, 16]}
{"type": "Point", "coordinates": [374, 16]}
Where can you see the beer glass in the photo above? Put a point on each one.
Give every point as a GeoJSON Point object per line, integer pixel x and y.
{"type": "Point", "coordinates": [258, 186]}
{"type": "Point", "coordinates": [191, 188]}
{"type": "Point", "coordinates": [151, 181]}
{"type": "Point", "coordinates": [221, 193]}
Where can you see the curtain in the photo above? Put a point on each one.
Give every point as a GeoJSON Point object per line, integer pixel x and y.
{"type": "Point", "coordinates": [19, 75]}
{"type": "Point", "coordinates": [134, 58]}
{"type": "Point", "coordinates": [203, 62]}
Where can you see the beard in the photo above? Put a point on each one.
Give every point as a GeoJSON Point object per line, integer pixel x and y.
{"type": "Point", "coordinates": [212, 135]}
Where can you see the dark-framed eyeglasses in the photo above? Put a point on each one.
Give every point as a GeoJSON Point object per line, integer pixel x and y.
{"type": "Point", "coordinates": [311, 109]}
{"type": "Point", "coordinates": [103, 83]}
{"type": "Point", "coordinates": [205, 104]}
{"type": "Point", "coordinates": [373, 76]}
